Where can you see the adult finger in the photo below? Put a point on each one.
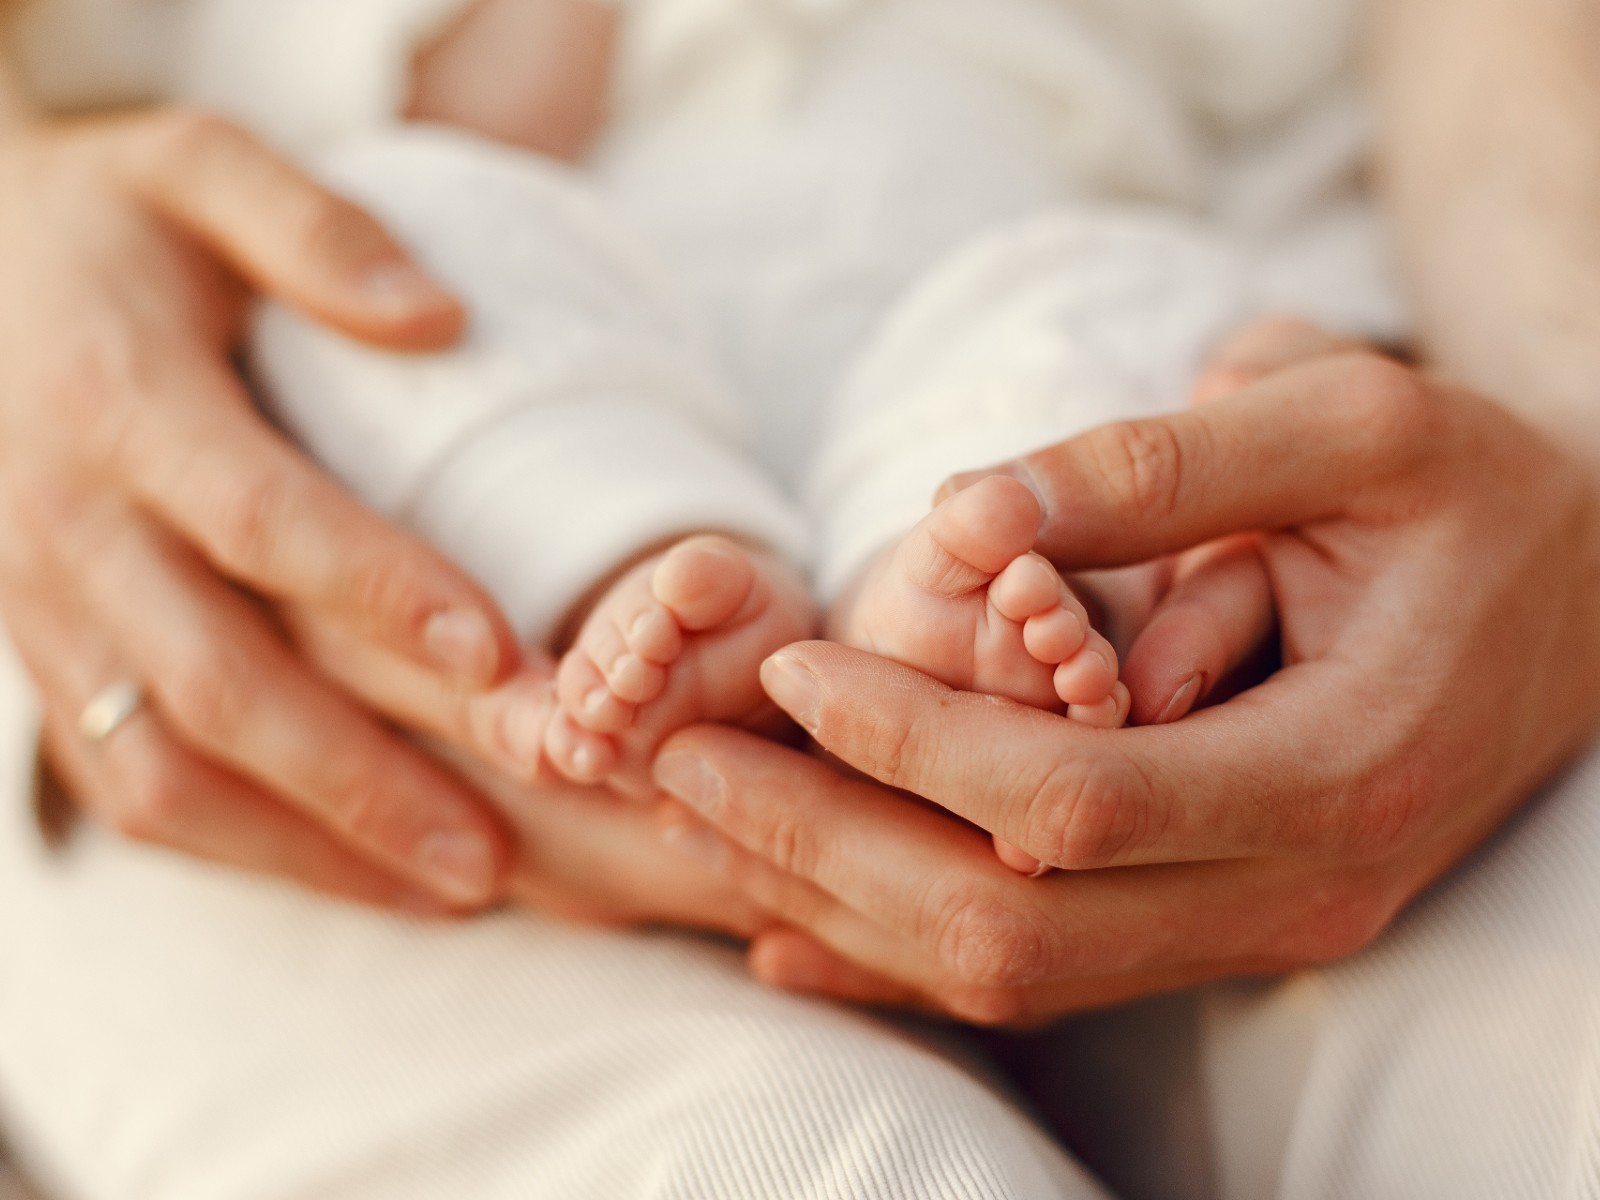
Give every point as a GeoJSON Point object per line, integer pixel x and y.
{"type": "Point", "coordinates": [1215, 617]}
{"type": "Point", "coordinates": [1262, 348]}
{"type": "Point", "coordinates": [825, 947]}
{"type": "Point", "coordinates": [1081, 798]}
{"type": "Point", "coordinates": [1302, 445]}
{"type": "Point", "coordinates": [285, 233]}
{"type": "Point", "coordinates": [797, 962]}
{"type": "Point", "coordinates": [504, 725]}
{"type": "Point", "coordinates": [902, 975]}
{"type": "Point", "coordinates": [931, 883]}
{"type": "Point", "coordinates": [228, 686]}
{"type": "Point", "coordinates": [264, 516]}
{"type": "Point", "coordinates": [589, 855]}
{"type": "Point", "coordinates": [837, 952]}
{"type": "Point", "coordinates": [145, 784]}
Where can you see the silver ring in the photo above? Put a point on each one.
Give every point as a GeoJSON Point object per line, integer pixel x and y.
{"type": "Point", "coordinates": [111, 709]}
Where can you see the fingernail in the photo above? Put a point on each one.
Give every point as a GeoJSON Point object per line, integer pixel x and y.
{"type": "Point", "coordinates": [460, 863]}
{"type": "Point", "coordinates": [1024, 474]}
{"type": "Point", "coordinates": [1182, 700]}
{"type": "Point", "coordinates": [398, 289]}
{"type": "Point", "coordinates": [794, 689]}
{"type": "Point", "coordinates": [689, 778]}
{"type": "Point", "coordinates": [462, 643]}
{"type": "Point", "coordinates": [699, 844]}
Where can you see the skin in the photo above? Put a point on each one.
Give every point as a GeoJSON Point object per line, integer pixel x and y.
{"type": "Point", "coordinates": [1284, 827]}
{"type": "Point", "coordinates": [263, 595]}
{"type": "Point", "coordinates": [1487, 166]}
{"type": "Point", "coordinates": [146, 511]}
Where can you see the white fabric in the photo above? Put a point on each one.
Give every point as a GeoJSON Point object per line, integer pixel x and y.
{"type": "Point", "coordinates": [1459, 1058]}
{"type": "Point", "coordinates": [902, 163]}
{"type": "Point", "coordinates": [1028, 337]}
{"type": "Point", "coordinates": [175, 1031]}
{"type": "Point", "coordinates": [581, 419]}
{"type": "Point", "coordinates": [303, 73]}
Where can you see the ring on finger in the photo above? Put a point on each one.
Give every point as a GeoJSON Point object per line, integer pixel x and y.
{"type": "Point", "coordinates": [109, 710]}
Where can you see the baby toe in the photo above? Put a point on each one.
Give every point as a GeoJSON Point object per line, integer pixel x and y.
{"type": "Point", "coordinates": [969, 538]}
{"type": "Point", "coordinates": [1088, 676]}
{"type": "Point", "coordinates": [1110, 713]}
{"type": "Point", "coordinates": [634, 679]}
{"type": "Point", "coordinates": [704, 582]}
{"type": "Point", "coordinates": [1027, 587]}
{"type": "Point", "coordinates": [587, 698]}
{"type": "Point", "coordinates": [1055, 635]}
{"type": "Point", "coordinates": [655, 635]}
{"type": "Point", "coordinates": [580, 755]}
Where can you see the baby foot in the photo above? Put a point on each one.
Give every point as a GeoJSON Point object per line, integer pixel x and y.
{"type": "Point", "coordinates": [963, 598]}
{"type": "Point", "coordinates": [677, 640]}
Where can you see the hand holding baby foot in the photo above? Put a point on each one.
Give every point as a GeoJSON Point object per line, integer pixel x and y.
{"type": "Point", "coordinates": [964, 598]}
{"type": "Point", "coordinates": [678, 640]}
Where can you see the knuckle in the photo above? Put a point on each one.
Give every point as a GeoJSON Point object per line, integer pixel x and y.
{"type": "Point", "coordinates": [249, 519]}
{"type": "Point", "coordinates": [1142, 463]}
{"type": "Point", "coordinates": [1085, 818]}
{"type": "Point", "coordinates": [791, 845]}
{"type": "Point", "coordinates": [896, 748]}
{"type": "Point", "coordinates": [383, 586]}
{"type": "Point", "coordinates": [983, 942]}
{"type": "Point", "coordinates": [352, 795]}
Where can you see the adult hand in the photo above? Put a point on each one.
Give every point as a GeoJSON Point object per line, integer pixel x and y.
{"type": "Point", "coordinates": [579, 852]}
{"type": "Point", "coordinates": [1434, 564]}
{"type": "Point", "coordinates": [144, 507]}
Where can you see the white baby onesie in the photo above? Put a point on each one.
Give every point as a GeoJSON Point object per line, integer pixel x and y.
{"type": "Point", "coordinates": [789, 298]}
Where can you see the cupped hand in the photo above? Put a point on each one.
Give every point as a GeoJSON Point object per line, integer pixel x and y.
{"type": "Point", "coordinates": [581, 852]}
{"type": "Point", "coordinates": [147, 511]}
{"type": "Point", "coordinates": [1434, 565]}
